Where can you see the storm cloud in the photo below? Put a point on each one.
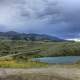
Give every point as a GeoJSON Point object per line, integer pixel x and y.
{"type": "Point", "coordinates": [55, 17]}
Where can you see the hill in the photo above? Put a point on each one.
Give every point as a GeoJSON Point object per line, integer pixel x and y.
{"type": "Point", "coordinates": [30, 37]}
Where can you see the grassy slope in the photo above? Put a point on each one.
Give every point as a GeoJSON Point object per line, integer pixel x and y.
{"type": "Point", "coordinates": [18, 54]}
{"type": "Point", "coordinates": [38, 49]}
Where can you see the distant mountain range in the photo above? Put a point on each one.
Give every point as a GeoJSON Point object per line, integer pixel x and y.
{"type": "Point", "coordinates": [31, 36]}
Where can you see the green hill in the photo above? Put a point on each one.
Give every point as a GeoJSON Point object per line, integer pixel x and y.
{"type": "Point", "coordinates": [22, 49]}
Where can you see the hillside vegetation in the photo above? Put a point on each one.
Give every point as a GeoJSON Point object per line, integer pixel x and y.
{"type": "Point", "coordinates": [18, 53]}
{"type": "Point", "coordinates": [29, 49]}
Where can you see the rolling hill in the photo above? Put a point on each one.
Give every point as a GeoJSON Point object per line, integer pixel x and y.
{"type": "Point", "coordinates": [31, 36]}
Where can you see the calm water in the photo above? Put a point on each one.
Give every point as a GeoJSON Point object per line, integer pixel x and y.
{"type": "Point", "coordinates": [58, 60]}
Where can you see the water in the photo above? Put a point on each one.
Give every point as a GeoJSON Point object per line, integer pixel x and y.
{"type": "Point", "coordinates": [58, 60]}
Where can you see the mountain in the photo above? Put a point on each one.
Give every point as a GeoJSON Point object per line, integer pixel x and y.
{"type": "Point", "coordinates": [31, 36]}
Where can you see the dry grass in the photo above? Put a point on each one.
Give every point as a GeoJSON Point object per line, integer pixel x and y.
{"type": "Point", "coordinates": [32, 77]}
{"type": "Point", "coordinates": [16, 64]}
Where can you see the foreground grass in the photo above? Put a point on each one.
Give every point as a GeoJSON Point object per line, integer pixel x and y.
{"type": "Point", "coordinates": [23, 64]}
{"type": "Point", "coordinates": [52, 72]}
{"type": "Point", "coordinates": [32, 77]}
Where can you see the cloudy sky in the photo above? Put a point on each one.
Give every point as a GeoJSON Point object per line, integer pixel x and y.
{"type": "Point", "coordinates": [54, 17]}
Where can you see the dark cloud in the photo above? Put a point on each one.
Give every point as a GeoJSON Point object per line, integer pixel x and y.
{"type": "Point", "coordinates": [55, 17]}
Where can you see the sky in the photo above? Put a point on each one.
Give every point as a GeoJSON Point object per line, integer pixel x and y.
{"type": "Point", "coordinates": [54, 17]}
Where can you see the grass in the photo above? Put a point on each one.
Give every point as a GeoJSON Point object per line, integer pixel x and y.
{"type": "Point", "coordinates": [17, 53]}
{"type": "Point", "coordinates": [33, 77]}
{"type": "Point", "coordinates": [9, 47]}
{"type": "Point", "coordinates": [21, 64]}
{"type": "Point", "coordinates": [27, 51]}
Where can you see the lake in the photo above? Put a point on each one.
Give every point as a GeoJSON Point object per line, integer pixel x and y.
{"type": "Point", "coordinates": [58, 60]}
